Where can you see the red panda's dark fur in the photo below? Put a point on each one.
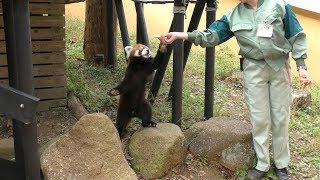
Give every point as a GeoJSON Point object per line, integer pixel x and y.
{"type": "Point", "coordinates": [132, 101]}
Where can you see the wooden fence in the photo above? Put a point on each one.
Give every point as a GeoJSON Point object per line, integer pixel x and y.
{"type": "Point", "coordinates": [47, 22]}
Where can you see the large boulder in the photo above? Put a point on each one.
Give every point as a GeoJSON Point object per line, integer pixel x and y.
{"type": "Point", "coordinates": [227, 141]}
{"type": "Point", "coordinates": [155, 151]}
{"type": "Point", "coordinates": [90, 150]}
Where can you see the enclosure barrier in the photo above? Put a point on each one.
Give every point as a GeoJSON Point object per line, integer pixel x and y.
{"type": "Point", "coordinates": [19, 104]}
{"type": "Point", "coordinates": [181, 51]}
{"type": "Point", "coordinates": [47, 22]}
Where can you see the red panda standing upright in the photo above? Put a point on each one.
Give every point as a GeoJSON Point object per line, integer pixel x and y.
{"type": "Point", "coordinates": [132, 102]}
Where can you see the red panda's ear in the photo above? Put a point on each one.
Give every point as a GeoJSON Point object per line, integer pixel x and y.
{"type": "Point", "coordinates": [128, 50]}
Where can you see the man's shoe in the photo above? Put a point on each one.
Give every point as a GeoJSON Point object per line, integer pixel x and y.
{"type": "Point", "coordinates": [282, 174]}
{"type": "Point", "coordinates": [255, 174]}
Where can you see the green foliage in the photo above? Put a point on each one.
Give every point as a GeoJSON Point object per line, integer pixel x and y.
{"type": "Point", "coordinates": [226, 62]}
{"type": "Point", "coordinates": [89, 83]}
{"type": "Point", "coordinates": [74, 37]}
{"type": "Point", "coordinates": [306, 121]}
{"type": "Point", "coordinates": [242, 173]}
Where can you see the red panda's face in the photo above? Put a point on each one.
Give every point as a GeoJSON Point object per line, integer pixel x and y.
{"type": "Point", "coordinates": [138, 50]}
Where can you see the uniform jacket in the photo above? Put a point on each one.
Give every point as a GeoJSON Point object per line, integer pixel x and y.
{"type": "Point", "coordinates": [242, 22]}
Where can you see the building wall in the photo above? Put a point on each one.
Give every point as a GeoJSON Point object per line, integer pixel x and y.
{"type": "Point", "coordinates": [310, 22]}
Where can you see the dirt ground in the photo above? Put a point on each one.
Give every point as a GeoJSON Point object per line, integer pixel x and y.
{"type": "Point", "coordinates": [50, 124]}
{"type": "Point", "coordinates": [56, 122]}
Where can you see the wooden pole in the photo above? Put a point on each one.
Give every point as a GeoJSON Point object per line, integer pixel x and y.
{"type": "Point", "coordinates": [194, 23]}
{"type": "Point", "coordinates": [122, 23]}
{"type": "Point", "coordinates": [209, 68]}
{"type": "Point", "coordinates": [109, 39]}
{"type": "Point", "coordinates": [142, 34]}
{"type": "Point", "coordinates": [18, 45]}
{"type": "Point", "coordinates": [179, 12]}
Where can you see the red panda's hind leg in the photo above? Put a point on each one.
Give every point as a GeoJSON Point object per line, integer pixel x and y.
{"type": "Point", "coordinates": [146, 115]}
{"type": "Point", "coordinates": [123, 119]}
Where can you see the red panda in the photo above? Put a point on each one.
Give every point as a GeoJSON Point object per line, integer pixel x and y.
{"type": "Point", "coordinates": [132, 101]}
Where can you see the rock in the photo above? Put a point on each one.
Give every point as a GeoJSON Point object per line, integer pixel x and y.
{"type": "Point", "coordinates": [48, 144]}
{"type": "Point", "coordinates": [223, 140]}
{"type": "Point", "coordinates": [157, 150]}
{"type": "Point", "coordinates": [238, 154]}
{"type": "Point", "coordinates": [76, 107]}
{"type": "Point", "coordinates": [7, 148]}
{"type": "Point", "coordinates": [301, 98]}
{"type": "Point", "coordinates": [90, 150]}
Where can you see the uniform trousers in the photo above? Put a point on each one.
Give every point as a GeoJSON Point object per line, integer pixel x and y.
{"type": "Point", "coordinates": [268, 95]}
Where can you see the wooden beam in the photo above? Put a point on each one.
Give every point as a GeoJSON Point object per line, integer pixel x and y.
{"type": "Point", "coordinates": [41, 46]}
{"type": "Point", "coordinates": [17, 104]}
{"type": "Point", "coordinates": [39, 9]}
{"type": "Point", "coordinates": [43, 21]}
{"type": "Point", "coordinates": [41, 58]}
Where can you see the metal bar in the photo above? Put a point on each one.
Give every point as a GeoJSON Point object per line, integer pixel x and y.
{"type": "Point", "coordinates": [156, 83]}
{"type": "Point", "coordinates": [18, 46]}
{"type": "Point", "coordinates": [178, 64]}
{"type": "Point", "coordinates": [138, 29]}
{"type": "Point", "coordinates": [141, 25]}
{"type": "Point", "coordinates": [193, 25]}
{"type": "Point", "coordinates": [122, 24]}
{"type": "Point", "coordinates": [109, 39]}
{"type": "Point", "coordinates": [157, 79]}
{"type": "Point", "coordinates": [209, 68]}
{"type": "Point", "coordinates": [138, 34]}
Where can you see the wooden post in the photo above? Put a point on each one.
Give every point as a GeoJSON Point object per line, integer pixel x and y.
{"type": "Point", "coordinates": [179, 12]}
{"type": "Point", "coordinates": [142, 34]}
{"type": "Point", "coordinates": [122, 24]}
{"type": "Point", "coordinates": [109, 39]}
{"type": "Point", "coordinates": [157, 79]}
{"type": "Point", "coordinates": [194, 23]}
{"type": "Point", "coordinates": [18, 44]}
{"type": "Point", "coordinates": [209, 68]}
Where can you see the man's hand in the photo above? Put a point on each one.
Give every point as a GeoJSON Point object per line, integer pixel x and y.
{"type": "Point", "coordinates": [172, 36]}
{"type": "Point", "coordinates": [305, 79]}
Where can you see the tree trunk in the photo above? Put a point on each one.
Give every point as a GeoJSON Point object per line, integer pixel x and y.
{"type": "Point", "coordinates": [96, 33]}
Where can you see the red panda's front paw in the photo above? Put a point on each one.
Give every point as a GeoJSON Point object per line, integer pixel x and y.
{"type": "Point", "coordinates": [153, 124]}
{"type": "Point", "coordinates": [113, 92]}
{"type": "Point", "coordinates": [163, 48]}
{"type": "Point", "coordinates": [149, 124]}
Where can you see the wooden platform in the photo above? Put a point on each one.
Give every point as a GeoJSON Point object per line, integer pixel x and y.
{"type": "Point", "coordinates": [48, 45]}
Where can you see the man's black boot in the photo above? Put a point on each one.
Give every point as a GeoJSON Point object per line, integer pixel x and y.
{"type": "Point", "coordinates": [282, 174]}
{"type": "Point", "coordinates": [255, 174]}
